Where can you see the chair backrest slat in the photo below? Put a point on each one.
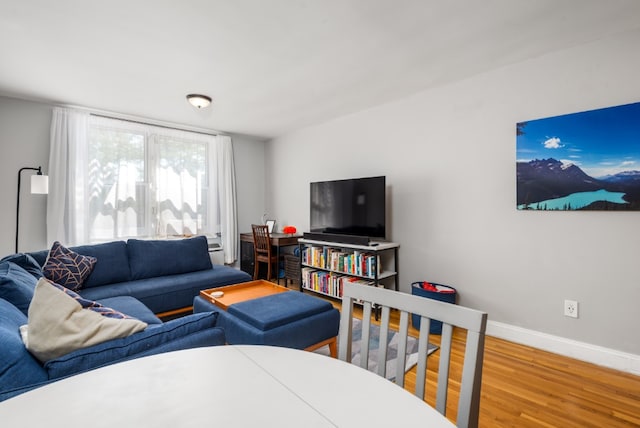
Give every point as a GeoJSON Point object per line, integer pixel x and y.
{"type": "Point", "coordinates": [366, 323]}
{"type": "Point", "coordinates": [384, 335]}
{"type": "Point", "coordinates": [402, 348]}
{"type": "Point", "coordinates": [423, 345]}
{"type": "Point", "coordinates": [443, 368]}
{"type": "Point", "coordinates": [468, 410]}
{"type": "Point", "coordinates": [428, 309]}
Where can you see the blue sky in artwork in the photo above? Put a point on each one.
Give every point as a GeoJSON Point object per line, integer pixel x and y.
{"type": "Point", "coordinates": [600, 142]}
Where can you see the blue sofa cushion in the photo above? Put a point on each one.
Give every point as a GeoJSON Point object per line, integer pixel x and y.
{"type": "Point", "coordinates": [113, 351]}
{"type": "Point", "coordinates": [149, 258]}
{"type": "Point", "coordinates": [91, 305]}
{"type": "Point", "coordinates": [66, 267]}
{"type": "Point", "coordinates": [17, 366]}
{"type": "Point", "coordinates": [26, 262]}
{"type": "Point", "coordinates": [112, 263]}
{"type": "Point", "coordinates": [132, 307]}
{"type": "Point", "coordinates": [16, 285]}
{"type": "Point", "coordinates": [169, 292]}
{"type": "Point", "coordinates": [39, 256]}
{"type": "Point", "coordinates": [276, 310]}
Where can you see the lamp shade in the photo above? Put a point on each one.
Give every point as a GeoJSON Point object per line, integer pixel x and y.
{"type": "Point", "coordinates": [39, 184]}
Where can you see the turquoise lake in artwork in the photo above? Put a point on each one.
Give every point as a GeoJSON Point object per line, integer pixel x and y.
{"type": "Point", "coordinates": [576, 201]}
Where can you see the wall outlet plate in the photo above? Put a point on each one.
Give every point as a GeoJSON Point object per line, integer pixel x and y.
{"type": "Point", "coordinates": [571, 308]}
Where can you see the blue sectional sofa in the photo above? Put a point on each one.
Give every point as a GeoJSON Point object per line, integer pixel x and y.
{"type": "Point", "coordinates": [165, 275]}
{"type": "Point", "coordinates": [20, 371]}
{"type": "Point", "coordinates": [137, 278]}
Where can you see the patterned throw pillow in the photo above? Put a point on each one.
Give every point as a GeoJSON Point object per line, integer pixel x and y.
{"type": "Point", "coordinates": [67, 268]}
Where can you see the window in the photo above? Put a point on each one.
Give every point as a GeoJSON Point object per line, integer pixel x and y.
{"type": "Point", "coordinates": [115, 179]}
{"type": "Point", "coordinates": [148, 181]}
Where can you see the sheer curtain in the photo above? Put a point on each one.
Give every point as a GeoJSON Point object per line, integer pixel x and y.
{"type": "Point", "coordinates": [67, 202]}
{"type": "Point", "coordinates": [226, 189]}
{"type": "Point", "coordinates": [87, 204]}
{"type": "Point", "coordinates": [117, 180]}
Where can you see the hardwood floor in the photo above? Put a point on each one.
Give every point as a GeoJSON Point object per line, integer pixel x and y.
{"type": "Point", "coordinates": [527, 387]}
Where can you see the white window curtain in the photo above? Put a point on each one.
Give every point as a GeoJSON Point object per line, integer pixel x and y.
{"type": "Point", "coordinates": [161, 209]}
{"type": "Point", "coordinates": [66, 204]}
{"type": "Point", "coordinates": [226, 185]}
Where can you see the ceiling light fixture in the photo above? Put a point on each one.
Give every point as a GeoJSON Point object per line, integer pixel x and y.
{"type": "Point", "coordinates": [199, 101]}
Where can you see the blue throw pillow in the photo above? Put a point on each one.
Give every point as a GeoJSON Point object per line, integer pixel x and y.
{"type": "Point", "coordinates": [149, 258]}
{"type": "Point", "coordinates": [112, 263]}
{"type": "Point", "coordinates": [67, 268]}
{"type": "Point", "coordinates": [16, 285]}
{"type": "Point", "coordinates": [26, 262]}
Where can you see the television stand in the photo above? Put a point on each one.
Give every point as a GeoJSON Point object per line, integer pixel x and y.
{"type": "Point", "coordinates": [325, 265]}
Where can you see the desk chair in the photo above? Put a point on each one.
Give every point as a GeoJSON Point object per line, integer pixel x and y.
{"type": "Point", "coordinates": [451, 315]}
{"type": "Point", "coordinates": [262, 250]}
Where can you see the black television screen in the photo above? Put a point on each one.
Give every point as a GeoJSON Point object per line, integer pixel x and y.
{"type": "Point", "coordinates": [349, 207]}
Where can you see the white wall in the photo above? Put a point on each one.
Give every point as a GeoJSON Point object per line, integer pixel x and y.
{"type": "Point", "coordinates": [24, 139]}
{"type": "Point", "coordinates": [449, 158]}
{"type": "Point", "coordinates": [248, 153]}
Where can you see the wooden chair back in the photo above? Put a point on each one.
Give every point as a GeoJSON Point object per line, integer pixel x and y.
{"type": "Point", "coordinates": [261, 239]}
{"type": "Point", "coordinates": [473, 321]}
{"type": "Point", "coordinates": [262, 250]}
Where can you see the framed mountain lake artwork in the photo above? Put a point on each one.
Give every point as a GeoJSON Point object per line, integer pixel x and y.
{"type": "Point", "coordinates": [581, 161]}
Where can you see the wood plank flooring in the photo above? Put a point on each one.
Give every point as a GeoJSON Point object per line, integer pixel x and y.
{"type": "Point", "coordinates": [527, 387]}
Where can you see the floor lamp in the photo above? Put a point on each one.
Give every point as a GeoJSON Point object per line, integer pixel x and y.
{"type": "Point", "coordinates": [39, 185]}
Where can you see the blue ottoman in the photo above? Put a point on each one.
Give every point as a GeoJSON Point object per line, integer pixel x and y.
{"type": "Point", "coordinates": [289, 319]}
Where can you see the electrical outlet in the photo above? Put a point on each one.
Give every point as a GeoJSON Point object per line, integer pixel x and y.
{"type": "Point", "coordinates": [571, 308]}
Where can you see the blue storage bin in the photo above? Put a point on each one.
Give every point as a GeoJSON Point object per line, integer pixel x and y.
{"type": "Point", "coordinates": [417, 290]}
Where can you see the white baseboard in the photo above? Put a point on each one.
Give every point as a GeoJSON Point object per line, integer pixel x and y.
{"type": "Point", "coordinates": [599, 355]}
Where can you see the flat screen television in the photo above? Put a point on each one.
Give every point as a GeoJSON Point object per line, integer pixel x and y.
{"type": "Point", "coordinates": [353, 207]}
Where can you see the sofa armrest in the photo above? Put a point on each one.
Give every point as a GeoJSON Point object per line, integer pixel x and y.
{"type": "Point", "coordinates": [188, 332]}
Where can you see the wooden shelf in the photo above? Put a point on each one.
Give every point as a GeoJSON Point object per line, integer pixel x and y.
{"type": "Point", "coordinates": [381, 275]}
{"type": "Point", "coordinates": [361, 263]}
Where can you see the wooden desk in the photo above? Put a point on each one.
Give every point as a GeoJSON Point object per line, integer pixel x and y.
{"type": "Point", "coordinates": [227, 386]}
{"type": "Point", "coordinates": [278, 240]}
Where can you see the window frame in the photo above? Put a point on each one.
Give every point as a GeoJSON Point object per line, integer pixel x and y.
{"type": "Point", "coordinates": [152, 136]}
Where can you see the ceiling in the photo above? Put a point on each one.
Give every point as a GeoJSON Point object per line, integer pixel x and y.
{"type": "Point", "coordinates": [274, 66]}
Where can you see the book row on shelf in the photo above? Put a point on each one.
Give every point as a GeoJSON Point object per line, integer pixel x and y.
{"type": "Point", "coordinates": [329, 283]}
{"type": "Point", "coordinates": [350, 262]}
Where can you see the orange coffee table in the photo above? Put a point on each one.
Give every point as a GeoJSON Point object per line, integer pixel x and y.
{"type": "Point", "coordinates": [241, 292]}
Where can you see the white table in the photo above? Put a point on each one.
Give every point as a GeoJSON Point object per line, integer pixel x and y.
{"type": "Point", "coordinates": [225, 386]}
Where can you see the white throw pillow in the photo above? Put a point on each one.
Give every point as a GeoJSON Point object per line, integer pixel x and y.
{"type": "Point", "coordinates": [58, 324]}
